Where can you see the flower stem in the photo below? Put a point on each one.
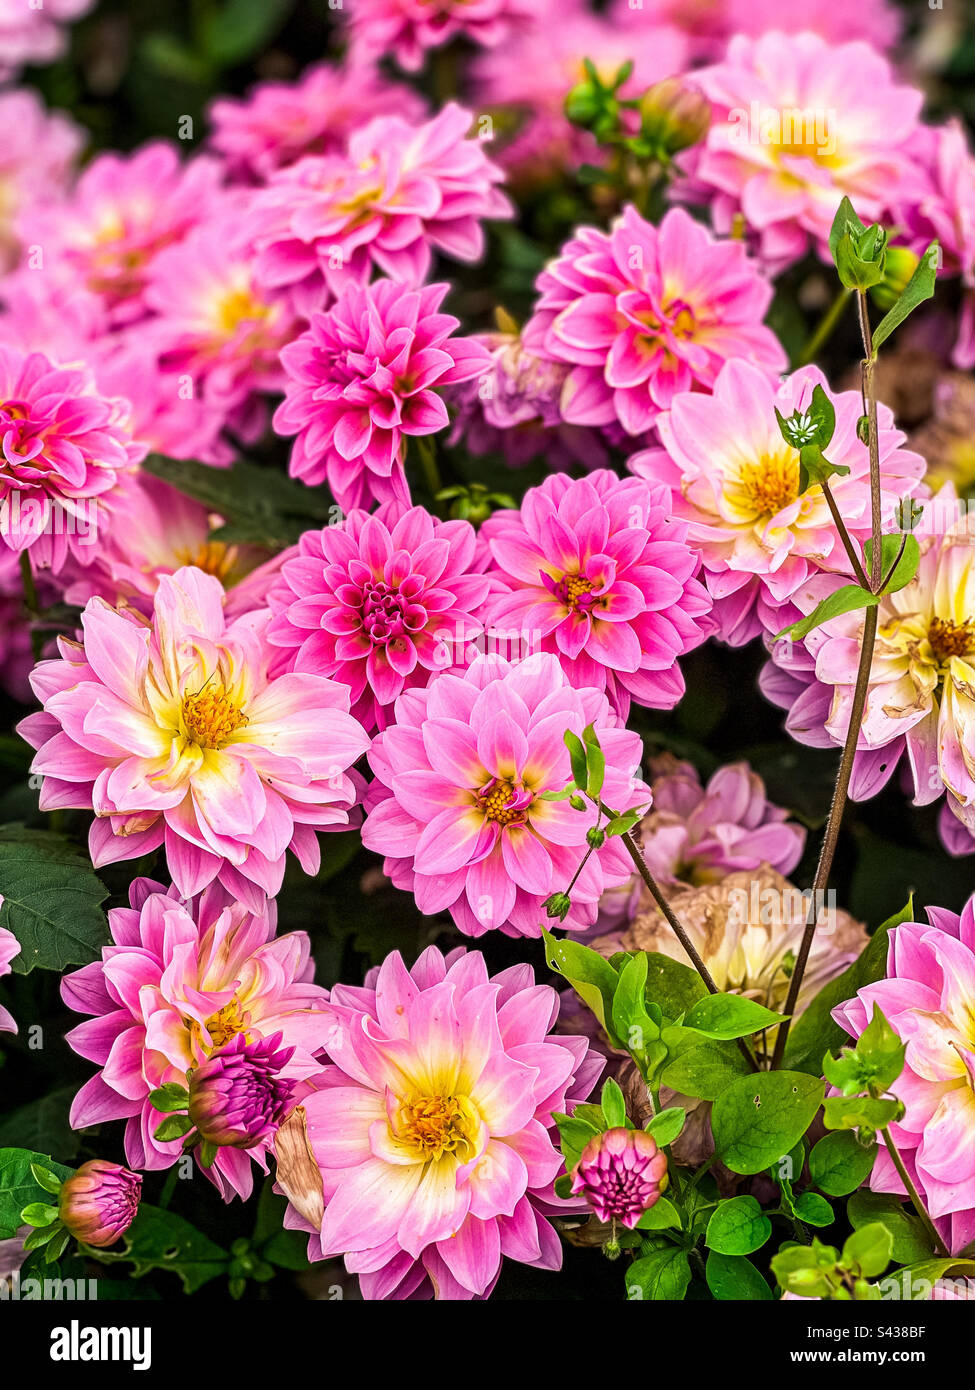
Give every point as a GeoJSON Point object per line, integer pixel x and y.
{"type": "Point", "coordinates": [868, 368]}
{"type": "Point", "coordinates": [824, 329]}
{"type": "Point", "coordinates": [913, 1193]}
{"type": "Point", "coordinates": [845, 536]}
{"type": "Point", "coordinates": [31, 604]}
{"type": "Point", "coordinates": [427, 456]}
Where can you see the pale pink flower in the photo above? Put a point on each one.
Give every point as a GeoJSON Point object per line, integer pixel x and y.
{"type": "Point", "coordinates": [431, 1126]}
{"type": "Point", "coordinates": [598, 572]}
{"type": "Point", "coordinates": [401, 192]}
{"type": "Point", "coordinates": [927, 1000]}
{"type": "Point", "coordinates": [735, 483]}
{"type": "Point", "coordinates": [38, 155]}
{"type": "Point", "coordinates": [103, 236]}
{"type": "Point", "coordinates": [279, 122]}
{"type": "Point", "coordinates": [30, 35]}
{"type": "Point", "coordinates": [62, 447]}
{"type": "Point", "coordinates": [458, 808]}
{"type": "Point", "coordinates": [181, 980]}
{"type": "Point", "coordinates": [380, 603]}
{"type": "Point", "coordinates": [644, 313]}
{"type": "Point", "coordinates": [363, 379]}
{"type": "Point", "coordinates": [799, 121]}
{"type": "Point", "coordinates": [215, 324]}
{"type": "Point", "coordinates": [173, 732]}
{"type": "Point", "coordinates": [407, 29]}
{"type": "Point", "coordinates": [9, 947]}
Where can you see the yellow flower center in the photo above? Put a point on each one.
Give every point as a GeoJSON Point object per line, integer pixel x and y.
{"type": "Point", "coordinates": [436, 1125]}
{"type": "Point", "coordinates": [769, 486]}
{"type": "Point", "coordinates": [227, 1022]}
{"type": "Point", "coordinates": [210, 717]}
{"type": "Point", "coordinates": [214, 557]}
{"type": "Point", "coordinates": [575, 587]}
{"type": "Point", "coordinates": [950, 639]}
{"type": "Point", "coordinates": [237, 307]}
{"type": "Point", "coordinates": [495, 804]}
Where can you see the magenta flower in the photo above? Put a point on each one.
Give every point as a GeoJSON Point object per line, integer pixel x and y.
{"type": "Point", "coordinates": [709, 24]}
{"type": "Point", "coordinates": [174, 733]}
{"type": "Point", "coordinates": [621, 1174]}
{"type": "Point", "coordinates": [279, 122]}
{"type": "Point", "coordinates": [30, 34]}
{"type": "Point", "coordinates": [600, 574]}
{"type": "Point", "coordinates": [363, 379]}
{"type": "Point", "coordinates": [432, 1127]}
{"type": "Point", "coordinates": [123, 210]}
{"type": "Point", "coordinates": [927, 1000]}
{"type": "Point", "coordinates": [9, 947]}
{"type": "Point", "coordinates": [799, 121]}
{"type": "Point", "coordinates": [37, 158]}
{"type": "Point", "coordinates": [643, 313]}
{"type": "Point", "coordinates": [457, 805]}
{"type": "Point", "coordinates": [63, 447]}
{"type": "Point", "coordinates": [401, 192]}
{"type": "Point", "coordinates": [735, 483]}
{"type": "Point", "coordinates": [380, 603]}
{"type": "Point", "coordinates": [407, 29]}
{"type": "Point", "coordinates": [180, 982]}
{"type": "Point", "coordinates": [239, 1095]}
{"type": "Point", "coordinates": [99, 1202]}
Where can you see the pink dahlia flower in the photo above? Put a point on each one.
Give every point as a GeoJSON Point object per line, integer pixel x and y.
{"type": "Point", "coordinates": [279, 122]}
{"type": "Point", "coordinates": [710, 23]}
{"type": "Point", "coordinates": [927, 1000]}
{"type": "Point", "coordinates": [407, 29]}
{"type": "Point", "coordinates": [432, 1127]}
{"type": "Point", "coordinates": [457, 806]}
{"type": "Point", "coordinates": [9, 947]}
{"type": "Point", "coordinates": [99, 1202]}
{"type": "Point", "coordinates": [239, 1096]}
{"type": "Point", "coordinates": [599, 573]}
{"type": "Point", "coordinates": [380, 603]}
{"type": "Point", "coordinates": [30, 34]}
{"type": "Point", "coordinates": [104, 235]}
{"type": "Point", "coordinates": [513, 408]}
{"type": "Point", "coordinates": [363, 379]}
{"type": "Point", "coordinates": [401, 192]}
{"type": "Point", "coordinates": [215, 324]}
{"type": "Point", "coordinates": [621, 1174]}
{"type": "Point", "coordinates": [735, 483]}
{"type": "Point", "coordinates": [922, 678]}
{"type": "Point", "coordinates": [172, 731]}
{"type": "Point", "coordinates": [181, 981]}
{"type": "Point", "coordinates": [643, 313]}
{"type": "Point", "coordinates": [38, 155]}
{"type": "Point", "coordinates": [63, 448]}
{"type": "Point", "coordinates": [797, 122]}
{"type": "Point", "coordinates": [941, 203]}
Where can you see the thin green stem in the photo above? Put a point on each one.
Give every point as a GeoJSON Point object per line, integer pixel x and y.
{"type": "Point", "coordinates": [31, 604]}
{"type": "Point", "coordinates": [868, 368]}
{"type": "Point", "coordinates": [824, 329]}
{"type": "Point", "coordinates": [427, 455]}
{"type": "Point", "coordinates": [169, 1187]}
{"type": "Point", "coordinates": [913, 1193]}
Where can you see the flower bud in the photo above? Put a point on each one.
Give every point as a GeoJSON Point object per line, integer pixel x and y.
{"type": "Point", "coordinates": [237, 1096]}
{"type": "Point", "coordinates": [899, 265]}
{"type": "Point", "coordinates": [673, 116]}
{"type": "Point", "coordinates": [99, 1202]}
{"type": "Point", "coordinates": [621, 1174]}
{"type": "Point", "coordinates": [558, 905]}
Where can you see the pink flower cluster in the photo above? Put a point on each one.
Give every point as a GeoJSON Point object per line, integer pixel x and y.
{"type": "Point", "coordinates": [408, 29]}
{"type": "Point", "coordinates": [31, 34]}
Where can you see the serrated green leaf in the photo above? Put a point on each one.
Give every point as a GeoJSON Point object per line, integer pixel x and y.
{"type": "Point", "coordinates": [51, 900]}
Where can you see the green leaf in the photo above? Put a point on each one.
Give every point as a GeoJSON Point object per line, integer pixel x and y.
{"type": "Point", "coordinates": [577, 758]}
{"type": "Point", "coordinates": [160, 1239]}
{"type": "Point", "coordinates": [868, 1251]}
{"type": "Point", "coordinates": [241, 28]}
{"type": "Point", "coordinates": [847, 599]}
{"type": "Point", "coordinates": [595, 762]}
{"type": "Point", "coordinates": [737, 1227]}
{"type": "Point", "coordinates": [727, 1016]}
{"type": "Point", "coordinates": [919, 288]}
{"type": "Point", "coordinates": [910, 1240]}
{"type": "Point", "coordinates": [760, 1117]}
{"type": "Point", "coordinates": [46, 1179]}
{"type": "Point", "coordinates": [900, 554]}
{"type": "Point", "coordinates": [620, 825]}
{"type": "Point", "coordinates": [732, 1277]}
{"type": "Point", "coordinates": [705, 1071]}
{"type": "Point", "coordinates": [575, 1133]}
{"type": "Point", "coordinates": [172, 1127]}
{"type": "Point", "coordinates": [815, 1032]}
{"type": "Point", "coordinates": [51, 900]}
{"type": "Point", "coordinates": [631, 1022]}
{"type": "Point", "coordinates": [838, 1164]}
{"type": "Point", "coordinates": [663, 1275]}
{"type": "Point", "coordinates": [858, 1112]}
{"type": "Point", "coordinates": [614, 1106]}
{"type": "Point", "coordinates": [43, 1125]}
{"type": "Point", "coordinates": [590, 975]}
{"type": "Point", "coordinates": [170, 1097]}
{"type": "Point", "coordinates": [18, 1186]}
{"type": "Point", "coordinates": [665, 1127]}
{"type": "Point", "coordinates": [676, 987]}
{"type": "Point", "coordinates": [813, 1209]}
{"type": "Point", "coordinates": [39, 1214]}
{"type": "Point", "coordinates": [844, 222]}
{"type": "Point", "coordinates": [918, 1279]}
{"type": "Point", "coordinates": [662, 1216]}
